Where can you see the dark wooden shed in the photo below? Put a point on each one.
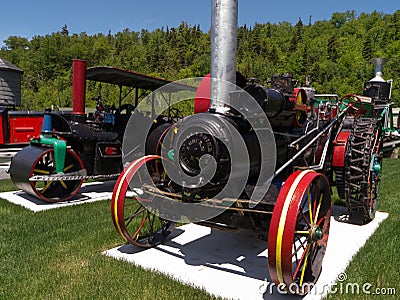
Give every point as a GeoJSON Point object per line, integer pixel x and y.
{"type": "Point", "coordinates": [10, 84]}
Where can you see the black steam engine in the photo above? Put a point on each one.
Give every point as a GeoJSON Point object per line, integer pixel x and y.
{"type": "Point", "coordinates": [265, 160]}
{"type": "Point", "coordinates": [74, 146]}
{"type": "Point", "coordinates": [284, 108]}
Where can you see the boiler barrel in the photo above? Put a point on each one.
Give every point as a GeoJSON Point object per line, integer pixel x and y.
{"type": "Point", "coordinates": [273, 102]}
{"type": "Point", "coordinates": [203, 134]}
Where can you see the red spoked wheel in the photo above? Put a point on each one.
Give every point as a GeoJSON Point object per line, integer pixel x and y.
{"type": "Point", "coordinates": [133, 221]}
{"type": "Point", "coordinates": [299, 231]}
{"type": "Point", "coordinates": [56, 191]}
{"type": "Point", "coordinates": [354, 104]}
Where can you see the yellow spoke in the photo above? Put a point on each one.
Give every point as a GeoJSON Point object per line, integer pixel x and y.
{"type": "Point", "coordinates": [41, 171]}
{"type": "Point", "coordinates": [309, 206]}
{"type": "Point", "coordinates": [304, 266]}
{"type": "Point", "coordinates": [44, 189]}
{"type": "Point", "coordinates": [319, 206]}
{"type": "Point", "coordinates": [63, 184]}
{"type": "Point", "coordinates": [68, 167]}
{"type": "Point", "coordinates": [301, 231]}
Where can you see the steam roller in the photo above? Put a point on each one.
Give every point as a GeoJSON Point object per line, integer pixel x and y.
{"type": "Point", "coordinates": [47, 169]}
{"type": "Point", "coordinates": [39, 163]}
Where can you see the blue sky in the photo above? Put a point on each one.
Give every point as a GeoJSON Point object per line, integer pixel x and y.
{"type": "Point", "coordinates": [29, 18]}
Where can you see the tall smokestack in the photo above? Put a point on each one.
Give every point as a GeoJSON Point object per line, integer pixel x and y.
{"type": "Point", "coordinates": [378, 63]}
{"type": "Point", "coordinates": [224, 23]}
{"type": "Point", "coordinates": [78, 86]}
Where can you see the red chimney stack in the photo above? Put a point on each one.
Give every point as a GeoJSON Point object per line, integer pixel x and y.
{"type": "Point", "coordinates": [78, 86]}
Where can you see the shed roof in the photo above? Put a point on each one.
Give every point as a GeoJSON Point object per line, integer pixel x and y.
{"type": "Point", "coordinates": [6, 65]}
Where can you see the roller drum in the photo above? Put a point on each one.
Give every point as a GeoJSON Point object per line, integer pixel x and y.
{"type": "Point", "coordinates": [33, 160]}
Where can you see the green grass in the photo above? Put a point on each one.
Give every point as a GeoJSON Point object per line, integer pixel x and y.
{"type": "Point", "coordinates": [378, 262]}
{"type": "Point", "coordinates": [56, 254]}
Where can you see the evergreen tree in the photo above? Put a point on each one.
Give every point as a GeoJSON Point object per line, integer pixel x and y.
{"type": "Point", "coordinates": [335, 54]}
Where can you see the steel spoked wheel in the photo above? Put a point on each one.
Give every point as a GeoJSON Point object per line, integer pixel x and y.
{"type": "Point", "coordinates": [363, 170]}
{"type": "Point", "coordinates": [133, 221]}
{"type": "Point", "coordinates": [299, 231]}
{"type": "Point", "coordinates": [56, 191]}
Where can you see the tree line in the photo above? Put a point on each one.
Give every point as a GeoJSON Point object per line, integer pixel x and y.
{"type": "Point", "coordinates": [333, 56]}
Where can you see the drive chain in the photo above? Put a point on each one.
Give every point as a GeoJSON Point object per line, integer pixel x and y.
{"type": "Point", "coordinates": [65, 177]}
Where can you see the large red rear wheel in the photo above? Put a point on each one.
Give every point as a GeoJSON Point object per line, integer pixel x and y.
{"type": "Point", "coordinates": [299, 231]}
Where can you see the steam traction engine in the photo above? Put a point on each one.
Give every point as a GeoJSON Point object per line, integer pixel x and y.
{"type": "Point", "coordinates": [313, 142]}
{"type": "Point", "coordinates": [74, 146]}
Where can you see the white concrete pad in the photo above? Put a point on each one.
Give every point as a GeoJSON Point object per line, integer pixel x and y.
{"type": "Point", "coordinates": [234, 265]}
{"type": "Point", "coordinates": [89, 192]}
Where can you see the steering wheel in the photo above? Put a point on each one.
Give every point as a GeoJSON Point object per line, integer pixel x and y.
{"type": "Point", "coordinates": [123, 113]}
{"type": "Point", "coordinates": [352, 100]}
{"type": "Point", "coordinates": [175, 115]}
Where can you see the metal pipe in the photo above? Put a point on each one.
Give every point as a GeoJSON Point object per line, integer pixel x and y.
{"type": "Point", "coordinates": [378, 63]}
{"type": "Point", "coordinates": [224, 23]}
{"type": "Point", "coordinates": [307, 134]}
{"type": "Point", "coordinates": [304, 149]}
{"type": "Point", "coordinates": [333, 122]}
{"type": "Point", "coordinates": [78, 86]}
{"type": "Point", "coordinates": [323, 157]}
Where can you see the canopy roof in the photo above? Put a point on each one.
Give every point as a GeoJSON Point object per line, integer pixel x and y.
{"type": "Point", "coordinates": [132, 79]}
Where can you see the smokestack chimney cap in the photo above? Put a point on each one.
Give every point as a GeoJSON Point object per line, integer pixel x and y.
{"type": "Point", "coordinates": [378, 63]}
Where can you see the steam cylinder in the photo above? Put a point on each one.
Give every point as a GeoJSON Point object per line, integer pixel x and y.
{"type": "Point", "coordinates": [273, 102]}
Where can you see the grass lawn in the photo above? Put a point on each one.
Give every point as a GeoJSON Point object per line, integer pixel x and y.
{"type": "Point", "coordinates": [56, 254]}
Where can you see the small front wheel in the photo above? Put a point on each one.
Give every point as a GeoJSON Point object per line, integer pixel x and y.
{"type": "Point", "coordinates": [133, 221]}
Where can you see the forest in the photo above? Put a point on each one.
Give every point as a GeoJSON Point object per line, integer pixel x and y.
{"type": "Point", "coordinates": [332, 56]}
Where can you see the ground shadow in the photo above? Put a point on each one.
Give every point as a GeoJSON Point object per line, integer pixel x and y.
{"type": "Point", "coordinates": [30, 202]}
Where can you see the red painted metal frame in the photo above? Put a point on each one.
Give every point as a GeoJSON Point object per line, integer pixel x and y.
{"type": "Point", "coordinates": [2, 135]}
{"type": "Point", "coordinates": [24, 127]}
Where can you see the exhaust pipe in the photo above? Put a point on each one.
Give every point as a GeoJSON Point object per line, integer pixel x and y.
{"type": "Point", "coordinates": [224, 23]}
{"type": "Point", "coordinates": [78, 86]}
{"type": "Point", "coordinates": [378, 63]}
